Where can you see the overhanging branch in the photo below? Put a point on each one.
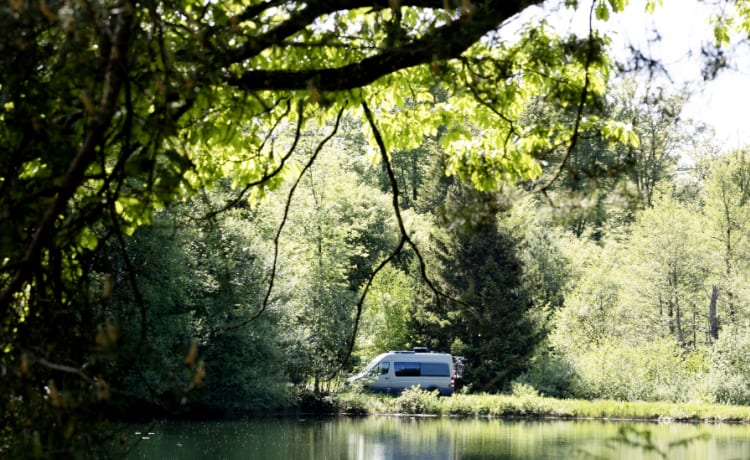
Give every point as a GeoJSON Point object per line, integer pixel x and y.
{"type": "Point", "coordinates": [114, 80]}
{"type": "Point", "coordinates": [277, 237]}
{"type": "Point", "coordinates": [404, 240]}
{"type": "Point", "coordinates": [303, 18]}
{"type": "Point", "coordinates": [544, 188]}
{"type": "Point", "coordinates": [445, 42]}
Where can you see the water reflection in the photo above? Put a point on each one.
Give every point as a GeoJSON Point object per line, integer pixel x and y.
{"type": "Point", "coordinates": [409, 438]}
{"type": "Point", "coordinates": [396, 439]}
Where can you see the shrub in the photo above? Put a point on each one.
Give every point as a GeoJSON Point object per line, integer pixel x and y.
{"type": "Point", "coordinates": [417, 401]}
{"type": "Point", "coordinates": [729, 375]}
{"type": "Point", "coordinates": [551, 374]}
{"type": "Point", "coordinates": [655, 371]}
{"type": "Point", "coordinates": [353, 403]}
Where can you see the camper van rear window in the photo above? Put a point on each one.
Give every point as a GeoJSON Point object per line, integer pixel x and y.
{"type": "Point", "coordinates": [436, 370]}
{"type": "Point", "coordinates": [414, 369]}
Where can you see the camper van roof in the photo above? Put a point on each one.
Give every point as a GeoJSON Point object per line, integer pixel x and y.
{"type": "Point", "coordinates": [414, 350]}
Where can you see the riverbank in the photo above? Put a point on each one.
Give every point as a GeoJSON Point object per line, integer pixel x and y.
{"type": "Point", "coordinates": [531, 405]}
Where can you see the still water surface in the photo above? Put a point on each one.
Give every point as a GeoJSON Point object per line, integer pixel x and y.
{"type": "Point", "coordinates": [408, 438]}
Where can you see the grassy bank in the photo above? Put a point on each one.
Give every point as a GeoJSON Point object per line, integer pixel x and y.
{"type": "Point", "coordinates": [533, 405]}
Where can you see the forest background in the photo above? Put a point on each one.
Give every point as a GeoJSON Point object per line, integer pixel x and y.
{"type": "Point", "coordinates": [215, 209]}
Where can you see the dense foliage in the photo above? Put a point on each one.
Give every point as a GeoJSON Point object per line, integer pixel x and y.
{"type": "Point", "coordinates": [208, 208]}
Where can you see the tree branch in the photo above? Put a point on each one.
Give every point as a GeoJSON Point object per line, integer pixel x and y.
{"type": "Point", "coordinates": [579, 110]}
{"type": "Point", "coordinates": [113, 83]}
{"type": "Point", "coordinates": [302, 19]}
{"type": "Point", "coordinates": [277, 237]}
{"type": "Point", "coordinates": [405, 239]}
{"type": "Point", "coordinates": [445, 42]}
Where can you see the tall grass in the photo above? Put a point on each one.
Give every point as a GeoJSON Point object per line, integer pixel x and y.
{"type": "Point", "coordinates": [525, 402]}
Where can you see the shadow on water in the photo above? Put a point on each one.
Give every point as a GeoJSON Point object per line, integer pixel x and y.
{"type": "Point", "coordinates": [414, 438]}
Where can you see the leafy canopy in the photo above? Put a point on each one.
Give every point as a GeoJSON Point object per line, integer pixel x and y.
{"type": "Point", "coordinates": [111, 110]}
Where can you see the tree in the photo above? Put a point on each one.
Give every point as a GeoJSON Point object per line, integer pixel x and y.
{"type": "Point", "coordinates": [112, 110]}
{"type": "Point", "coordinates": [590, 319]}
{"type": "Point", "coordinates": [610, 339]}
{"type": "Point", "coordinates": [666, 273]}
{"type": "Point", "coordinates": [592, 314]}
{"type": "Point", "coordinates": [338, 230]}
{"type": "Point", "coordinates": [726, 195]}
{"type": "Point", "coordinates": [388, 314]}
{"type": "Point", "coordinates": [604, 183]}
{"type": "Point", "coordinates": [654, 119]}
{"type": "Point", "coordinates": [194, 278]}
{"type": "Point", "coordinates": [485, 316]}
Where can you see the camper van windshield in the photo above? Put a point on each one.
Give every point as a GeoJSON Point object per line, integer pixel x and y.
{"type": "Point", "coordinates": [369, 367]}
{"type": "Point", "coordinates": [375, 367]}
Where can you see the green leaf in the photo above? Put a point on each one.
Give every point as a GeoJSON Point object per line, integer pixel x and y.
{"type": "Point", "coordinates": [721, 34]}
{"type": "Point", "coordinates": [601, 11]}
{"type": "Point", "coordinates": [88, 239]}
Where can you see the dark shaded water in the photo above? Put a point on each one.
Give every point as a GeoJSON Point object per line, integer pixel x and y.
{"type": "Point", "coordinates": [409, 438]}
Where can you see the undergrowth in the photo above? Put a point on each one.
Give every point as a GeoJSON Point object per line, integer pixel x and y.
{"type": "Point", "coordinates": [526, 402]}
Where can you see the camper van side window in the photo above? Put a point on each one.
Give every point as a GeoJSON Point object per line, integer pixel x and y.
{"type": "Point", "coordinates": [407, 369]}
{"type": "Point", "coordinates": [436, 370]}
{"type": "Point", "coordinates": [384, 366]}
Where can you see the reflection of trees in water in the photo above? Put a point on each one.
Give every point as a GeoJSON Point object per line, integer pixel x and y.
{"type": "Point", "coordinates": [394, 437]}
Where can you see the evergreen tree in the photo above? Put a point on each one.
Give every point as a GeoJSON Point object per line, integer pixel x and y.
{"type": "Point", "coordinates": [485, 315]}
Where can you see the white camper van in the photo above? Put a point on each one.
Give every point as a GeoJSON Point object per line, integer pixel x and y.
{"type": "Point", "coordinates": [396, 371]}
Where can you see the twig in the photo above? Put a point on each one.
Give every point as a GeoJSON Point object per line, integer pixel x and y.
{"type": "Point", "coordinates": [266, 175]}
{"type": "Point", "coordinates": [405, 239]}
{"type": "Point", "coordinates": [579, 111]}
{"type": "Point", "coordinates": [284, 218]}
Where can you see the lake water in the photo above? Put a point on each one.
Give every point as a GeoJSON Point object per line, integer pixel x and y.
{"type": "Point", "coordinates": [418, 438]}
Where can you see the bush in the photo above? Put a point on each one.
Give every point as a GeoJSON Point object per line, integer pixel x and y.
{"type": "Point", "coordinates": [729, 375]}
{"type": "Point", "coordinates": [551, 375]}
{"type": "Point", "coordinates": [417, 401]}
{"type": "Point", "coordinates": [311, 402]}
{"type": "Point", "coordinates": [354, 402]}
{"type": "Point", "coordinates": [655, 371]}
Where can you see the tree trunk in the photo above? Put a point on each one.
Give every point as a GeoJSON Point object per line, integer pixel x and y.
{"type": "Point", "coordinates": [678, 324]}
{"type": "Point", "coordinates": [713, 324]}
